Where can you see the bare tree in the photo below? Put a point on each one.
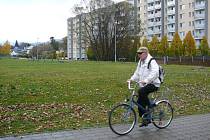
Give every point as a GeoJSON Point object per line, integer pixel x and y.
{"type": "Point", "coordinates": [99, 21]}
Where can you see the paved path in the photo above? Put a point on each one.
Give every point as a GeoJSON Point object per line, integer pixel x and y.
{"type": "Point", "coordinates": [195, 127]}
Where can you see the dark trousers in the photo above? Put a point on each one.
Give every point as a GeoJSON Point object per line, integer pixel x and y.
{"type": "Point", "coordinates": [143, 99]}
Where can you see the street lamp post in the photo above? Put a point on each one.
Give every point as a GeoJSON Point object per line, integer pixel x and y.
{"type": "Point", "coordinates": [37, 56]}
{"type": "Point", "coordinates": [133, 42]}
{"type": "Point", "coordinates": [115, 43]}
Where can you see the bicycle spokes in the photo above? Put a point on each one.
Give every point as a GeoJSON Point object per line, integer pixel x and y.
{"type": "Point", "coordinates": [122, 119]}
{"type": "Point", "coordinates": [162, 114]}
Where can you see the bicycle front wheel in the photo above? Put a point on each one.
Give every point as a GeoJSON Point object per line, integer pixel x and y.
{"type": "Point", "coordinates": [162, 114]}
{"type": "Point", "coordinates": [122, 119]}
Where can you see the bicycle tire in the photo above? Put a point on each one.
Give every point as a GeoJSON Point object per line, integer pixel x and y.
{"type": "Point", "coordinates": [122, 119]}
{"type": "Point", "coordinates": [162, 114]}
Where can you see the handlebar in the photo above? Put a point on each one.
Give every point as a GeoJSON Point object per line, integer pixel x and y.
{"type": "Point", "coordinates": [129, 85]}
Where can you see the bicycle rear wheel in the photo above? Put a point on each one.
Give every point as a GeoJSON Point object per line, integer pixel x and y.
{"type": "Point", "coordinates": [122, 119]}
{"type": "Point", "coordinates": [162, 114]}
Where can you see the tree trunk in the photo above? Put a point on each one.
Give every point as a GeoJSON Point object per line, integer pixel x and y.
{"type": "Point", "coordinates": [180, 59]}
{"type": "Point", "coordinates": [164, 60]}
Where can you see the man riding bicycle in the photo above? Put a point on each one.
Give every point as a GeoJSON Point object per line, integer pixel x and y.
{"type": "Point", "coordinates": [147, 78]}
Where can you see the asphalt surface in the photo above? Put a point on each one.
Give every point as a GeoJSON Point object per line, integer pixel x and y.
{"type": "Point", "coordinates": [196, 127]}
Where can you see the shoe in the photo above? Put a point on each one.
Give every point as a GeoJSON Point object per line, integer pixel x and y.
{"type": "Point", "coordinates": [145, 123]}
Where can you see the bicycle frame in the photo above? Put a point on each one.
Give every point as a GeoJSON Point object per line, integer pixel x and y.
{"type": "Point", "coordinates": [133, 94]}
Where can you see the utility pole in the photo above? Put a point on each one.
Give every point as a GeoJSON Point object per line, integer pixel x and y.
{"type": "Point", "coordinates": [115, 42]}
{"type": "Point", "coordinates": [37, 56]}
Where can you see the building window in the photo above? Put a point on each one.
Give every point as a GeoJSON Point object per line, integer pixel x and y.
{"type": "Point", "coordinates": [180, 7]}
{"type": "Point", "coordinates": [180, 25]}
{"type": "Point", "coordinates": [190, 23]}
{"type": "Point", "coordinates": [180, 16]}
{"type": "Point", "coordinates": [189, 14]}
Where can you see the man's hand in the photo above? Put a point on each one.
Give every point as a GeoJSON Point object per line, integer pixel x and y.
{"type": "Point", "coordinates": [143, 82]}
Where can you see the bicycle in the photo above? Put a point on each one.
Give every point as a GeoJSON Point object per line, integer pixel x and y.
{"type": "Point", "coordinates": [123, 117]}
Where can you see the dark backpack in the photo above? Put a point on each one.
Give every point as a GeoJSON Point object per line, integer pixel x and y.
{"type": "Point", "coordinates": [161, 71]}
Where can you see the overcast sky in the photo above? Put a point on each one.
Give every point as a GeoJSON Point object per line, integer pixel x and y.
{"type": "Point", "coordinates": [34, 20]}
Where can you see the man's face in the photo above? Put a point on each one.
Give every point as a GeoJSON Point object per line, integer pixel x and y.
{"type": "Point", "coordinates": [142, 55]}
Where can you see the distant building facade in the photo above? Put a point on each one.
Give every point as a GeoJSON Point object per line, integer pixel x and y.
{"type": "Point", "coordinates": [76, 46]}
{"type": "Point", "coordinates": [18, 50]}
{"type": "Point", "coordinates": [165, 17]}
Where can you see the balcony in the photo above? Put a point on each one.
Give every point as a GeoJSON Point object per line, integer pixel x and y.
{"type": "Point", "coordinates": [158, 14]}
{"type": "Point", "coordinates": [157, 23]}
{"type": "Point", "coordinates": [199, 16]}
{"type": "Point", "coordinates": [171, 21]}
{"type": "Point", "coordinates": [171, 12]}
{"type": "Point", "coordinates": [199, 26]}
{"type": "Point", "coordinates": [150, 16]}
{"type": "Point", "coordinates": [150, 32]}
{"type": "Point", "coordinates": [199, 6]}
{"type": "Point", "coordinates": [149, 24]}
{"type": "Point", "coordinates": [171, 3]}
{"type": "Point", "coordinates": [150, 1]}
{"type": "Point", "coordinates": [151, 8]}
{"type": "Point", "coordinates": [171, 29]}
{"type": "Point", "coordinates": [157, 31]}
{"type": "Point", "coordinates": [158, 6]}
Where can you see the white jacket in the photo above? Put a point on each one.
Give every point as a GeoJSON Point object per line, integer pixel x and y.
{"type": "Point", "coordinates": [150, 75]}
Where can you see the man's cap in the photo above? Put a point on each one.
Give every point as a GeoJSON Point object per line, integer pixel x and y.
{"type": "Point", "coordinates": [142, 49]}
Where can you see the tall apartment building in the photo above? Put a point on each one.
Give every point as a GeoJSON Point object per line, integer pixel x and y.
{"type": "Point", "coordinates": [75, 44]}
{"type": "Point", "coordinates": [165, 17]}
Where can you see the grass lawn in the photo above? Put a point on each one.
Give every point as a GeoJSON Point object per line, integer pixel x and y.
{"type": "Point", "coordinates": [38, 96]}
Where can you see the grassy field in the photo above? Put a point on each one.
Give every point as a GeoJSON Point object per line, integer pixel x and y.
{"type": "Point", "coordinates": [38, 96]}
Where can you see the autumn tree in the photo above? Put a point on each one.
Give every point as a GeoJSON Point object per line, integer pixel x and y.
{"type": "Point", "coordinates": [164, 48]}
{"type": "Point", "coordinates": [204, 47]}
{"type": "Point", "coordinates": [184, 46]}
{"type": "Point", "coordinates": [5, 49]}
{"type": "Point", "coordinates": [145, 42]}
{"type": "Point", "coordinates": [153, 46]}
{"type": "Point", "coordinates": [135, 41]}
{"type": "Point", "coordinates": [190, 45]}
{"type": "Point", "coordinates": [176, 46]}
{"type": "Point", "coordinates": [1, 50]}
